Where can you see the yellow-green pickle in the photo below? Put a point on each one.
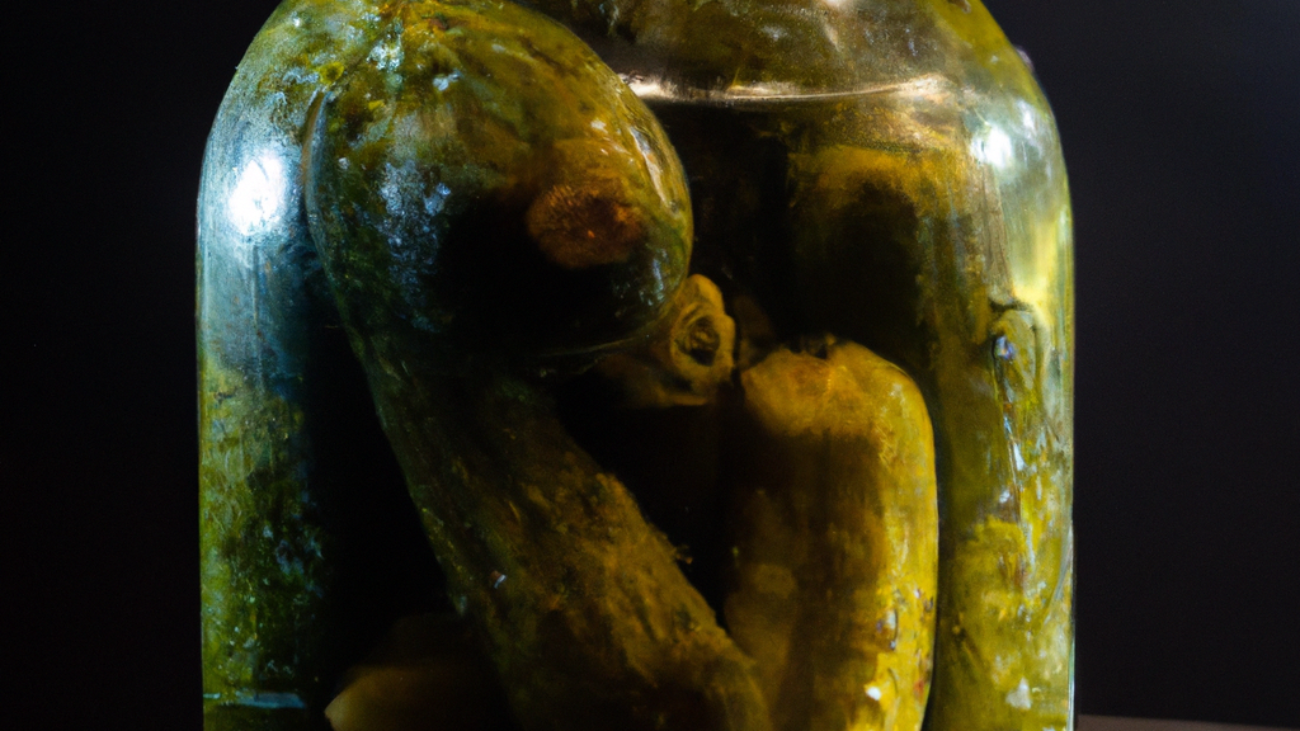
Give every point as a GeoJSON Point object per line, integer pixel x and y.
{"type": "Point", "coordinates": [634, 365]}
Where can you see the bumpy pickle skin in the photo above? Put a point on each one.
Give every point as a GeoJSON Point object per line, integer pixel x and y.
{"type": "Point", "coordinates": [836, 543]}
{"type": "Point", "coordinates": [444, 177]}
{"type": "Point", "coordinates": [521, 200]}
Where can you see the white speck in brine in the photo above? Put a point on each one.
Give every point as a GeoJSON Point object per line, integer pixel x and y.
{"type": "Point", "coordinates": [1004, 349]}
{"type": "Point", "coordinates": [387, 56]}
{"type": "Point", "coordinates": [444, 81]}
{"type": "Point", "coordinates": [497, 578]}
{"type": "Point", "coordinates": [1019, 697]}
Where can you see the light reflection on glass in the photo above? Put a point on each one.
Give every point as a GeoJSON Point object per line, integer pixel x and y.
{"type": "Point", "coordinates": [994, 147]}
{"type": "Point", "coordinates": [258, 198]}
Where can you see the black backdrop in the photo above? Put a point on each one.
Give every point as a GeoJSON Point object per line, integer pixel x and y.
{"type": "Point", "coordinates": [1181, 127]}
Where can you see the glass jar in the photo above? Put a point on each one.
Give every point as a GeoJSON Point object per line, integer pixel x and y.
{"type": "Point", "coordinates": [745, 405]}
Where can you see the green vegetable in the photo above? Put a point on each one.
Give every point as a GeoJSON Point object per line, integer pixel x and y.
{"type": "Point", "coordinates": [836, 555]}
{"type": "Point", "coordinates": [445, 177]}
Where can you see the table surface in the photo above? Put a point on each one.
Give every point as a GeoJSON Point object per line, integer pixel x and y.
{"type": "Point", "coordinates": [1115, 723]}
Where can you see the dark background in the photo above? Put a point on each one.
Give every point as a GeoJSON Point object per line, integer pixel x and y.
{"type": "Point", "coordinates": [1181, 128]}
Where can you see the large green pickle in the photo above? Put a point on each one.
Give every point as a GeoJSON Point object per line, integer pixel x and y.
{"type": "Point", "coordinates": [744, 404]}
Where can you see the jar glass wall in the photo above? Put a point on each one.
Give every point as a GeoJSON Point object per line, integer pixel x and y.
{"type": "Point", "coordinates": [699, 366]}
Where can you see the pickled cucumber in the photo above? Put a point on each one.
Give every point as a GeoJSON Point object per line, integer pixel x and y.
{"type": "Point", "coordinates": [836, 552]}
{"type": "Point", "coordinates": [494, 208]}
